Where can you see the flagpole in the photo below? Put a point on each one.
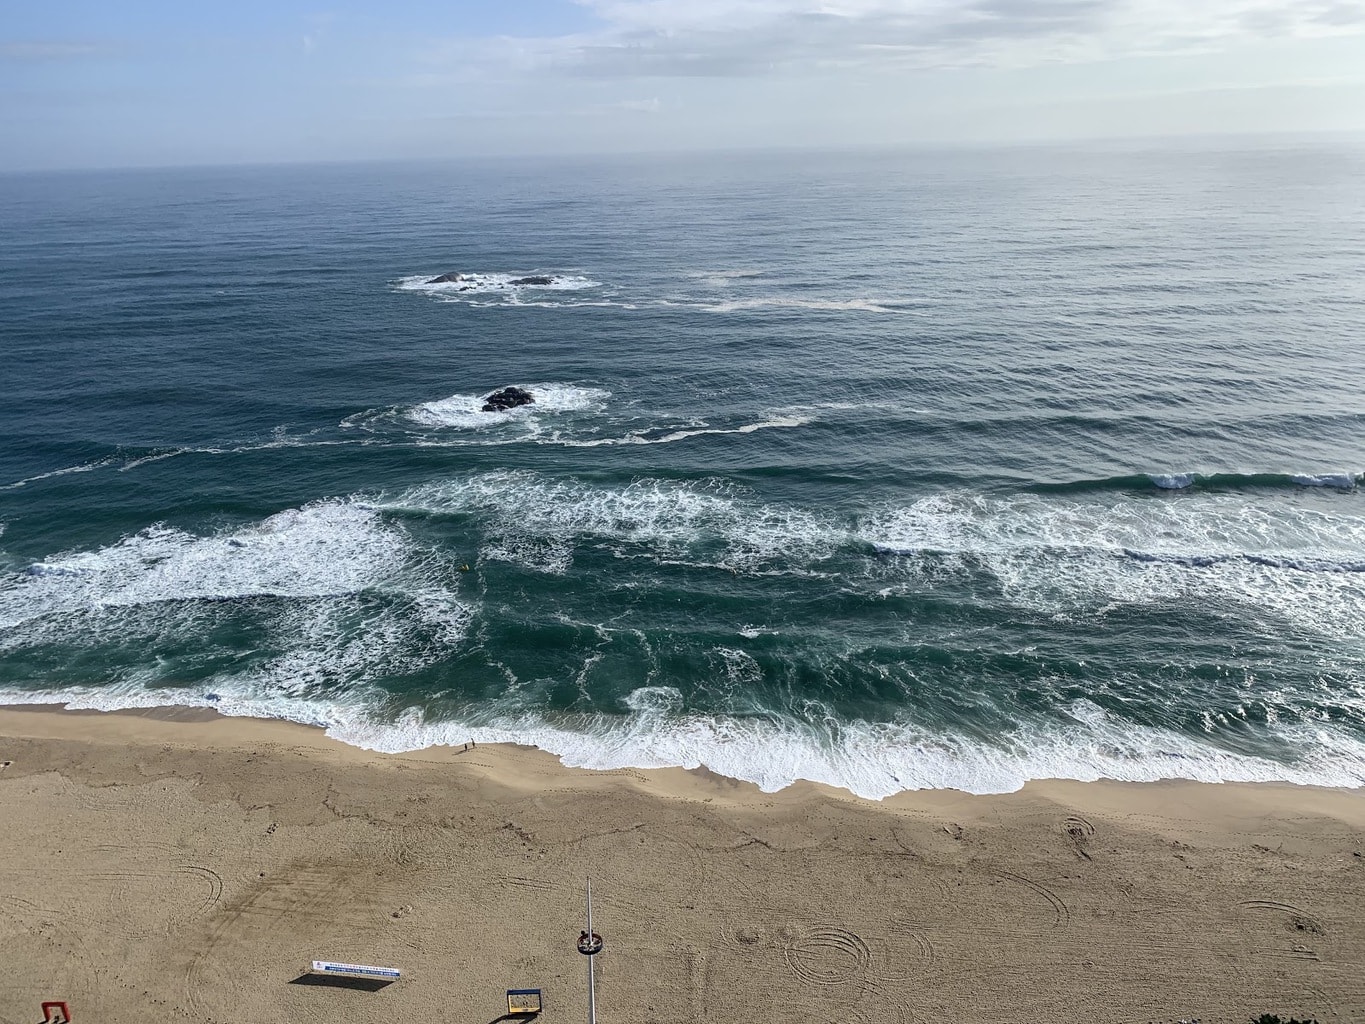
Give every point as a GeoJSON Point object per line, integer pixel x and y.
{"type": "Point", "coordinates": [592, 981]}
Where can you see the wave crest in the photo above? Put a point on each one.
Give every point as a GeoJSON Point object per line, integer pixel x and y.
{"type": "Point", "coordinates": [537, 522]}
{"type": "Point", "coordinates": [1072, 555]}
{"type": "Point", "coordinates": [319, 595]}
{"type": "Point", "coordinates": [1341, 480]}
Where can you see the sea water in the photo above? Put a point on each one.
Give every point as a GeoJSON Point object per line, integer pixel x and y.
{"type": "Point", "coordinates": [885, 470]}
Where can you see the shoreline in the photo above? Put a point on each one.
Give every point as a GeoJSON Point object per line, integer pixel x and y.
{"type": "Point", "coordinates": [871, 761]}
{"type": "Point", "coordinates": [190, 866]}
{"type": "Point", "coordinates": [212, 728]}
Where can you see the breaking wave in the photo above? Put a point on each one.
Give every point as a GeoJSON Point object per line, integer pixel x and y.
{"type": "Point", "coordinates": [1072, 557]}
{"type": "Point", "coordinates": [870, 760]}
{"type": "Point", "coordinates": [1066, 556]}
{"type": "Point", "coordinates": [537, 522]}
{"type": "Point", "coordinates": [1342, 480]}
{"type": "Point", "coordinates": [323, 594]}
{"type": "Point", "coordinates": [324, 602]}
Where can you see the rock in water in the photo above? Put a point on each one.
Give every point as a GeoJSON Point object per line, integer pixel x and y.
{"type": "Point", "coordinates": [451, 278]}
{"type": "Point", "coordinates": [536, 281]}
{"type": "Point", "coordinates": [507, 398]}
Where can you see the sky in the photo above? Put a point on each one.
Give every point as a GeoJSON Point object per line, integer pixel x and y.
{"type": "Point", "coordinates": [141, 83]}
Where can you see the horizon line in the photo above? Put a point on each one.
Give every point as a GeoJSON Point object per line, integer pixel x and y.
{"type": "Point", "coordinates": [884, 148]}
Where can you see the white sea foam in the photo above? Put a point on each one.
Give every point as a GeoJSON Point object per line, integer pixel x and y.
{"type": "Point", "coordinates": [124, 464]}
{"type": "Point", "coordinates": [725, 278]}
{"type": "Point", "coordinates": [562, 414]}
{"type": "Point", "coordinates": [1173, 481]}
{"type": "Point", "coordinates": [84, 467]}
{"type": "Point", "coordinates": [876, 760]}
{"type": "Point", "coordinates": [1343, 481]}
{"type": "Point", "coordinates": [1043, 552]}
{"type": "Point", "coordinates": [537, 522]}
{"type": "Point", "coordinates": [871, 760]}
{"type": "Point", "coordinates": [475, 285]}
{"type": "Point", "coordinates": [501, 290]}
{"type": "Point", "coordinates": [515, 301]}
{"type": "Point", "coordinates": [747, 428]}
{"type": "Point", "coordinates": [1340, 481]}
{"type": "Point", "coordinates": [1058, 554]}
{"type": "Point", "coordinates": [323, 549]}
{"type": "Point", "coordinates": [1065, 556]}
{"type": "Point", "coordinates": [1052, 554]}
{"type": "Point", "coordinates": [463, 412]}
{"type": "Point", "coordinates": [644, 437]}
{"type": "Point", "coordinates": [342, 711]}
{"type": "Point", "coordinates": [737, 282]}
{"type": "Point", "coordinates": [793, 302]}
{"type": "Point", "coordinates": [163, 584]}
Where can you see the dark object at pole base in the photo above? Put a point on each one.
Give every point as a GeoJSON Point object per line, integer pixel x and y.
{"type": "Point", "coordinates": [589, 944]}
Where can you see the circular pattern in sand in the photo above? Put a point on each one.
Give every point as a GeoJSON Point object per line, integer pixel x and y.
{"type": "Point", "coordinates": [827, 956]}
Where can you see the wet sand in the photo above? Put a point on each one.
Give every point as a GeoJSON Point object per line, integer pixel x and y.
{"type": "Point", "coordinates": [183, 867]}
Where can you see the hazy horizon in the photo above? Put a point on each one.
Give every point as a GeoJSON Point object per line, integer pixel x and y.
{"type": "Point", "coordinates": [1212, 142]}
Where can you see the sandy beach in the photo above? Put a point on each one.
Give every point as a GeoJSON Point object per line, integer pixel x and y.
{"type": "Point", "coordinates": [182, 867]}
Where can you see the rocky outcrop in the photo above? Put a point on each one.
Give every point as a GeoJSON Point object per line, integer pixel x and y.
{"type": "Point", "coordinates": [534, 281]}
{"type": "Point", "coordinates": [507, 398]}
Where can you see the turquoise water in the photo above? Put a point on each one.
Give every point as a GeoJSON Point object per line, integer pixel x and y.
{"type": "Point", "coordinates": [889, 471]}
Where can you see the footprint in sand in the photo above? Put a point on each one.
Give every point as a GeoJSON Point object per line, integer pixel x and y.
{"type": "Point", "coordinates": [1078, 832]}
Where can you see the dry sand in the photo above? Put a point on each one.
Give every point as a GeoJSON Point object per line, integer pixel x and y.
{"type": "Point", "coordinates": [179, 869]}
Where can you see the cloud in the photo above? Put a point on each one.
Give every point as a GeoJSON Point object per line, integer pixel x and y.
{"type": "Point", "coordinates": [736, 38]}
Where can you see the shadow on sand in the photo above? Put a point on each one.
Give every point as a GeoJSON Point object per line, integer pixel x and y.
{"type": "Point", "coordinates": [335, 981]}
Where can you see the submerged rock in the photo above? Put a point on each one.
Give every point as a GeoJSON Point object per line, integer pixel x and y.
{"type": "Point", "coordinates": [538, 281]}
{"type": "Point", "coordinates": [451, 278]}
{"type": "Point", "coordinates": [507, 398]}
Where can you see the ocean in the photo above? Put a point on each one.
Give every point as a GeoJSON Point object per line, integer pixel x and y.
{"type": "Point", "coordinates": [883, 470]}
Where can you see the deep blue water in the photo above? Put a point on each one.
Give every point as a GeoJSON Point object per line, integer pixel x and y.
{"type": "Point", "coordinates": [933, 469]}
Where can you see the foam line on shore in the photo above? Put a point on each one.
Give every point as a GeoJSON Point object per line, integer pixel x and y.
{"type": "Point", "coordinates": [870, 760]}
